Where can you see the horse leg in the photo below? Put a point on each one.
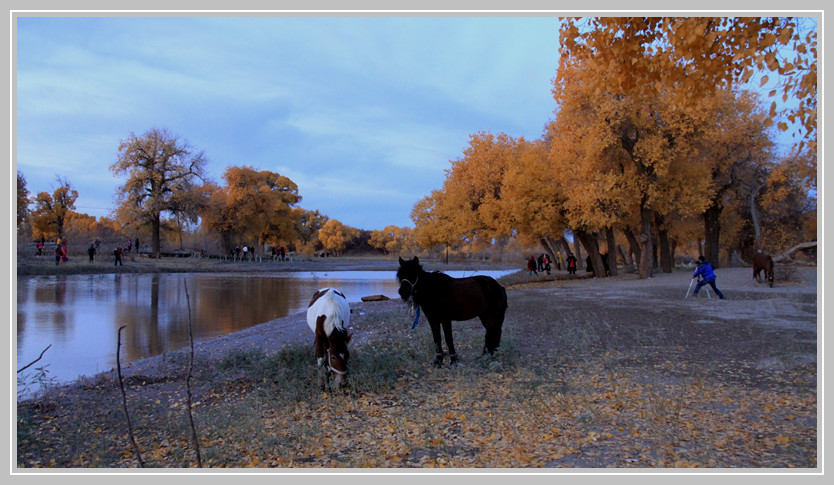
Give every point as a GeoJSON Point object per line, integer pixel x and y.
{"type": "Point", "coordinates": [447, 331]}
{"type": "Point", "coordinates": [321, 340]}
{"type": "Point", "coordinates": [435, 332]}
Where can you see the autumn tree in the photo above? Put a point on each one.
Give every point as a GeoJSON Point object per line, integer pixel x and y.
{"type": "Point", "coordinates": [702, 54]}
{"type": "Point", "coordinates": [308, 223]}
{"type": "Point", "coordinates": [394, 240]}
{"type": "Point", "coordinates": [217, 217]}
{"type": "Point", "coordinates": [736, 147]}
{"type": "Point", "coordinates": [262, 203]}
{"type": "Point", "coordinates": [22, 203]}
{"type": "Point", "coordinates": [51, 210]}
{"type": "Point", "coordinates": [162, 172]}
{"type": "Point", "coordinates": [631, 159]}
{"type": "Point", "coordinates": [468, 208]}
{"type": "Point", "coordinates": [335, 236]}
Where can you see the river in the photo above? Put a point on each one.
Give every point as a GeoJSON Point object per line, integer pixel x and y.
{"type": "Point", "coordinates": [79, 315]}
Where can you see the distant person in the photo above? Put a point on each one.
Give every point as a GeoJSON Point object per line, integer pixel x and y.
{"type": "Point", "coordinates": [92, 252]}
{"type": "Point", "coordinates": [136, 243]}
{"type": "Point", "coordinates": [118, 255]}
{"type": "Point", "coordinates": [531, 265]}
{"type": "Point", "coordinates": [58, 253]}
{"type": "Point", "coordinates": [64, 250]}
{"type": "Point", "coordinates": [559, 260]}
{"type": "Point", "coordinates": [707, 275]}
{"type": "Point", "coordinates": [546, 262]}
{"type": "Point", "coordinates": [571, 263]}
{"type": "Point", "coordinates": [39, 245]}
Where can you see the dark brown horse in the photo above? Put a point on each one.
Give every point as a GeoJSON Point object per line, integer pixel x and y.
{"type": "Point", "coordinates": [763, 262]}
{"type": "Point", "coordinates": [445, 299]}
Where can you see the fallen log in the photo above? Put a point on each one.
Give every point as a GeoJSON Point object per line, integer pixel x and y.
{"type": "Point", "coordinates": [799, 247]}
{"type": "Point", "coordinates": [375, 298]}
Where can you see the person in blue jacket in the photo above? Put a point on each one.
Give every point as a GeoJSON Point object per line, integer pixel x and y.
{"type": "Point", "coordinates": [707, 276]}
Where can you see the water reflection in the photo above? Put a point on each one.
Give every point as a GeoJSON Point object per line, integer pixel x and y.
{"type": "Point", "coordinates": [80, 314]}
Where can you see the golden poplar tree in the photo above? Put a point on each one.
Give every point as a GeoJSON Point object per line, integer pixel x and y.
{"type": "Point", "coordinates": [161, 171]}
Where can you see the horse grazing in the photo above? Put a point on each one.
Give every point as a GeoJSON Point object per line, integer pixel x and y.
{"type": "Point", "coordinates": [328, 315]}
{"type": "Point", "coordinates": [763, 262]}
{"type": "Point", "coordinates": [444, 299]}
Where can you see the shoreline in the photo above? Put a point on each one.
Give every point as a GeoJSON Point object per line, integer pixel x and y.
{"type": "Point", "coordinates": [32, 266]}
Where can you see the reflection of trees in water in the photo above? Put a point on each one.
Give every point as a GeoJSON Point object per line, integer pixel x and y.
{"type": "Point", "coordinates": [155, 311]}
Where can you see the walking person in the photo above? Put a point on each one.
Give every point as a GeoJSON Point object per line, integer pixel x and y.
{"type": "Point", "coordinates": [118, 254]}
{"type": "Point", "coordinates": [58, 253]}
{"type": "Point", "coordinates": [707, 275]}
{"type": "Point", "coordinates": [92, 252]}
{"type": "Point", "coordinates": [531, 265]}
{"type": "Point", "coordinates": [571, 263]}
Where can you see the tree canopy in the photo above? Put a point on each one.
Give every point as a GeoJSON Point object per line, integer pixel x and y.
{"type": "Point", "coordinates": [162, 175]}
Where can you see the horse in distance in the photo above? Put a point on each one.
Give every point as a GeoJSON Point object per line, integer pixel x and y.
{"type": "Point", "coordinates": [444, 299]}
{"type": "Point", "coordinates": [328, 316]}
{"type": "Point", "coordinates": [763, 262]}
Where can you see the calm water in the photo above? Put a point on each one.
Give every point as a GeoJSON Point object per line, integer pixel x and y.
{"type": "Point", "coordinates": [80, 314]}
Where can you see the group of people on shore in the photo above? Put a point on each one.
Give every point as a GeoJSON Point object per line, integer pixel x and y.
{"type": "Point", "coordinates": [62, 249]}
{"type": "Point", "coordinates": [703, 272]}
{"type": "Point", "coordinates": [543, 264]}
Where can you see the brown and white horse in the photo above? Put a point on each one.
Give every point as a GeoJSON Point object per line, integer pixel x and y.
{"type": "Point", "coordinates": [328, 316]}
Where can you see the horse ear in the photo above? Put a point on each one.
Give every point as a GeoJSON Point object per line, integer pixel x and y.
{"type": "Point", "coordinates": [416, 261]}
{"type": "Point", "coordinates": [402, 262]}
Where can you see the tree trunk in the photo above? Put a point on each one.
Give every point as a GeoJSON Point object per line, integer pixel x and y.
{"type": "Point", "coordinates": [665, 249]}
{"type": "Point", "coordinates": [155, 224]}
{"type": "Point", "coordinates": [578, 252]}
{"type": "Point", "coordinates": [646, 248]}
{"type": "Point", "coordinates": [754, 216]}
{"type": "Point", "coordinates": [712, 229]}
{"type": "Point", "coordinates": [548, 249]}
{"type": "Point", "coordinates": [633, 246]}
{"type": "Point", "coordinates": [673, 246]}
{"type": "Point", "coordinates": [589, 240]}
{"type": "Point", "coordinates": [565, 247]}
{"type": "Point", "coordinates": [612, 251]}
{"type": "Point", "coordinates": [625, 257]}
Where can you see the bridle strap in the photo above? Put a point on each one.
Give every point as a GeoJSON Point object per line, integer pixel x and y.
{"type": "Point", "coordinates": [410, 283]}
{"type": "Point", "coordinates": [333, 369]}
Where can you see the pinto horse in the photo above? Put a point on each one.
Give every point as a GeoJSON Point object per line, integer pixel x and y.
{"type": "Point", "coordinates": [763, 262]}
{"type": "Point", "coordinates": [445, 299]}
{"type": "Point", "coordinates": [328, 315]}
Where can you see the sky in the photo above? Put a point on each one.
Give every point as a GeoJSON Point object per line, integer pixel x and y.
{"type": "Point", "coordinates": [363, 114]}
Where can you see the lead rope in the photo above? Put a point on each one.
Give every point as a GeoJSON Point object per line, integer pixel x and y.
{"type": "Point", "coordinates": [416, 306]}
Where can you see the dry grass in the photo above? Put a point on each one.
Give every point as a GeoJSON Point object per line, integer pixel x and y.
{"type": "Point", "coordinates": [585, 391]}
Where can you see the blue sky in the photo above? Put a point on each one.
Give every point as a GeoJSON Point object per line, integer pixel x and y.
{"type": "Point", "coordinates": [364, 114]}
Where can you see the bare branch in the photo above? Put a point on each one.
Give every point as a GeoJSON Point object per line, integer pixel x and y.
{"type": "Point", "coordinates": [39, 358]}
{"type": "Point", "coordinates": [124, 400]}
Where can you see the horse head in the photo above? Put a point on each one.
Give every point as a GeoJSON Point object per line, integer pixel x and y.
{"type": "Point", "coordinates": [338, 355]}
{"type": "Point", "coordinates": [408, 275]}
